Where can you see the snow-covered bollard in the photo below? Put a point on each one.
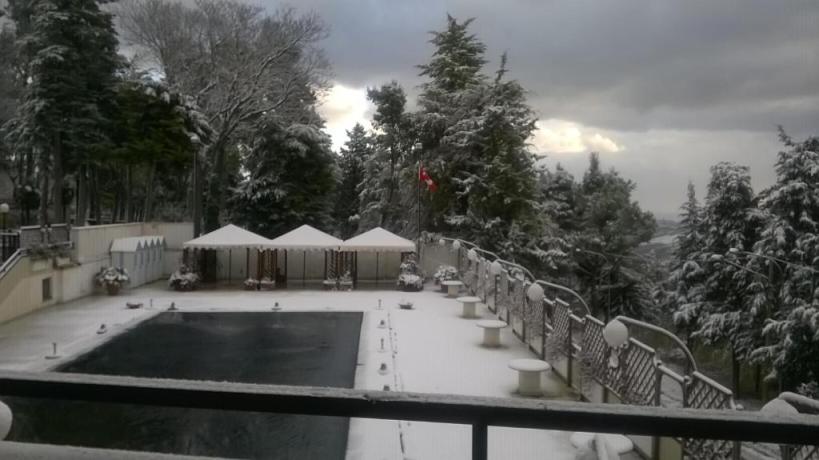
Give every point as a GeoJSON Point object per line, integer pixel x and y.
{"type": "Point", "coordinates": [277, 307]}
{"type": "Point", "coordinates": [382, 324]}
{"type": "Point", "coordinates": [102, 329]}
{"type": "Point", "coordinates": [6, 418]}
{"type": "Point", "coordinates": [383, 369]}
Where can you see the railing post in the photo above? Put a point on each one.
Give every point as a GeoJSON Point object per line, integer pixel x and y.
{"type": "Point", "coordinates": [569, 352]}
{"type": "Point", "coordinates": [479, 441]}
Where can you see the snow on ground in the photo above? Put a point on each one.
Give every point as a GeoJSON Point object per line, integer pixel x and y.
{"type": "Point", "coordinates": [427, 349]}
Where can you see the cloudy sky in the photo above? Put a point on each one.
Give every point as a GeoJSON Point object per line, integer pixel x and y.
{"type": "Point", "coordinates": [661, 88]}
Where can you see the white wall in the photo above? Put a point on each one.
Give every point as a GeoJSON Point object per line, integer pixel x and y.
{"type": "Point", "coordinates": [389, 264]}
{"type": "Point", "coordinates": [21, 286]}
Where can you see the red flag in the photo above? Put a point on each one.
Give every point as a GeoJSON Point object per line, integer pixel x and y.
{"type": "Point", "coordinates": [423, 176]}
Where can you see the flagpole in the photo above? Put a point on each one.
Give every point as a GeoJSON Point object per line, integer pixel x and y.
{"type": "Point", "coordinates": [419, 201]}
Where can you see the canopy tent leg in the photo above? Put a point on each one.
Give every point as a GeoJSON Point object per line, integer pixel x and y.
{"type": "Point", "coordinates": [286, 268]}
{"type": "Point", "coordinates": [247, 263]}
{"type": "Point", "coordinates": [230, 262]}
{"type": "Point", "coordinates": [325, 265]}
{"type": "Point", "coordinates": [304, 269]}
{"type": "Point", "coordinates": [376, 270]}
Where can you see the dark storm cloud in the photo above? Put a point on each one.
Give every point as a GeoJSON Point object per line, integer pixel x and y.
{"type": "Point", "coordinates": [629, 65]}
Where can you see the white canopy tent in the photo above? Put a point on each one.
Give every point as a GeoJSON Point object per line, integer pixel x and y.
{"type": "Point", "coordinates": [373, 243]}
{"type": "Point", "coordinates": [228, 238]}
{"type": "Point", "coordinates": [318, 250]}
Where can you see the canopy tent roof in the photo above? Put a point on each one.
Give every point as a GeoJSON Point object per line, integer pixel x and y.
{"type": "Point", "coordinates": [378, 240]}
{"type": "Point", "coordinates": [228, 237]}
{"type": "Point", "coordinates": [134, 243]}
{"type": "Point", "coordinates": [305, 238]}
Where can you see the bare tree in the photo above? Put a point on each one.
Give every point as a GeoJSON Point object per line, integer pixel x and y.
{"type": "Point", "coordinates": [236, 61]}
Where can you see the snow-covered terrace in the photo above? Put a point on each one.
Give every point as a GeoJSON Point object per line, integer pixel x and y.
{"type": "Point", "coordinates": [428, 349]}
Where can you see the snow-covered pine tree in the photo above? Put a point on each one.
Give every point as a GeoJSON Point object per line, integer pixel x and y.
{"type": "Point", "coordinates": [393, 142]}
{"type": "Point", "coordinates": [355, 152]}
{"type": "Point", "coordinates": [291, 180]}
{"type": "Point", "coordinates": [62, 117]}
{"type": "Point", "coordinates": [789, 243]}
{"type": "Point", "coordinates": [610, 227]}
{"type": "Point", "coordinates": [499, 185]}
{"type": "Point", "coordinates": [730, 223]}
{"type": "Point", "coordinates": [449, 99]}
{"type": "Point", "coordinates": [687, 276]}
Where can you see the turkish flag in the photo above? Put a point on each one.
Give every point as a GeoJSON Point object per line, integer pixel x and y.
{"type": "Point", "coordinates": [423, 176]}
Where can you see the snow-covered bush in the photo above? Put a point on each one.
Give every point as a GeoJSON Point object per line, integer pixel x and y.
{"type": "Point", "coordinates": [410, 282]}
{"type": "Point", "coordinates": [410, 277]}
{"type": "Point", "coordinates": [267, 284]}
{"type": "Point", "coordinates": [184, 279]}
{"type": "Point", "coordinates": [112, 279]}
{"type": "Point", "coordinates": [251, 284]}
{"type": "Point", "coordinates": [445, 273]}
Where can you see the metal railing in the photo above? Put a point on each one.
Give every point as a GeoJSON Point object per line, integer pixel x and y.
{"type": "Point", "coordinates": [479, 412]}
{"type": "Point", "coordinates": [562, 330]}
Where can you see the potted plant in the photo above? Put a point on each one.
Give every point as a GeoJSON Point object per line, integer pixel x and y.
{"type": "Point", "coordinates": [267, 284]}
{"type": "Point", "coordinates": [112, 279]}
{"type": "Point", "coordinates": [251, 284]}
{"type": "Point", "coordinates": [445, 273]}
{"type": "Point", "coordinates": [410, 277]}
{"type": "Point", "coordinates": [183, 279]}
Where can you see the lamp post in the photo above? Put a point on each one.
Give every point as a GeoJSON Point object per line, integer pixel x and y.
{"type": "Point", "coordinates": [615, 333]}
{"type": "Point", "coordinates": [496, 269]}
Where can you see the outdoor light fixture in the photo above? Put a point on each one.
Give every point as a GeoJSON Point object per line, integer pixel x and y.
{"type": "Point", "coordinates": [495, 268]}
{"type": "Point", "coordinates": [615, 333]}
{"type": "Point", "coordinates": [472, 255]}
{"type": "Point", "coordinates": [456, 245]}
{"type": "Point", "coordinates": [535, 293]}
{"type": "Point", "coordinates": [442, 242]}
{"type": "Point", "coordinates": [5, 420]}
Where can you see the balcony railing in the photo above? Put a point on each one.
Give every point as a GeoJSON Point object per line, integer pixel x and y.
{"type": "Point", "coordinates": [561, 330]}
{"type": "Point", "coordinates": [479, 412]}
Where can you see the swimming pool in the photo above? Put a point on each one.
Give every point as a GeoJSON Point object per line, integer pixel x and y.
{"type": "Point", "coordinates": [294, 348]}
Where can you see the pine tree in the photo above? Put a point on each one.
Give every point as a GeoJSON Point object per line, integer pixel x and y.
{"type": "Point", "coordinates": [450, 104]}
{"type": "Point", "coordinates": [729, 316]}
{"type": "Point", "coordinates": [789, 245]}
{"type": "Point", "coordinates": [62, 117]}
{"type": "Point", "coordinates": [392, 140]}
{"type": "Point", "coordinates": [355, 152]}
{"type": "Point", "coordinates": [686, 271]}
{"type": "Point", "coordinates": [291, 180]}
{"type": "Point", "coordinates": [610, 226]}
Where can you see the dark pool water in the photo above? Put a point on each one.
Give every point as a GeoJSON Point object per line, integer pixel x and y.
{"type": "Point", "coordinates": [281, 348]}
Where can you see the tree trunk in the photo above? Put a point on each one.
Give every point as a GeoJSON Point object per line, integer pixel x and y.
{"type": "Point", "coordinates": [82, 195]}
{"type": "Point", "coordinates": [735, 368]}
{"type": "Point", "coordinates": [216, 189]}
{"type": "Point", "coordinates": [57, 187]}
{"type": "Point", "coordinates": [128, 193]}
{"type": "Point", "coordinates": [44, 193]}
{"type": "Point", "coordinates": [198, 194]}
{"type": "Point", "coordinates": [149, 194]}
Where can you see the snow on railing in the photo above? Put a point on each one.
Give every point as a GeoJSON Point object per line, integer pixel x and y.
{"type": "Point", "coordinates": [566, 334]}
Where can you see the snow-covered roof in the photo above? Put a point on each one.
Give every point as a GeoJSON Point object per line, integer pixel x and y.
{"type": "Point", "coordinates": [228, 237]}
{"type": "Point", "coordinates": [378, 240]}
{"type": "Point", "coordinates": [305, 238]}
{"type": "Point", "coordinates": [134, 243]}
